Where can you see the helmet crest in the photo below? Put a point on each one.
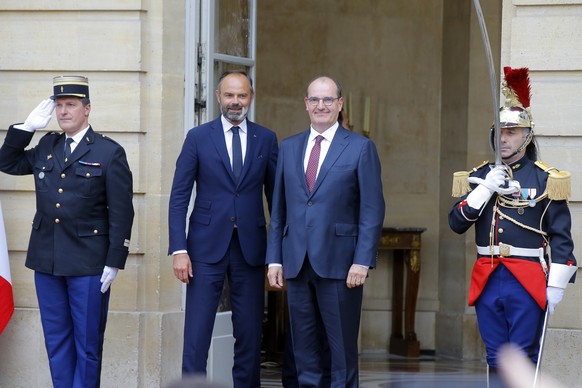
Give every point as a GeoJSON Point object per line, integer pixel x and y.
{"type": "Point", "coordinates": [515, 112]}
{"type": "Point", "coordinates": [517, 80]}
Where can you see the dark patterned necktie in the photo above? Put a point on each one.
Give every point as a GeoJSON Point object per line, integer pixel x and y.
{"type": "Point", "coordinates": [237, 161]}
{"type": "Point", "coordinates": [311, 171]}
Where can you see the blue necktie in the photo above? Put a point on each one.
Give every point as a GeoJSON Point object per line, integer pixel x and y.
{"type": "Point", "coordinates": [68, 148]}
{"type": "Point", "coordinates": [237, 161]}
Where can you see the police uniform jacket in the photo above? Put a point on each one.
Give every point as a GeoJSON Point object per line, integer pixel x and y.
{"type": "Point", "coordinates": [84, 210]}
{"type": "Point", "coordinates": [552, 217]}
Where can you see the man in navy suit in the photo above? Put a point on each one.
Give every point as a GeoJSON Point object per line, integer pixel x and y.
{"type": "Point", "coordinates": [232, 161]}
{"type": "Point", "coordinates": [81, 229]}
{"type": "Point", "coordinates": [327, 217]}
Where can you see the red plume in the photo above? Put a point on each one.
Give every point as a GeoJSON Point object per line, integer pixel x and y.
{"type": "Point", "coordinates": [518, 81]}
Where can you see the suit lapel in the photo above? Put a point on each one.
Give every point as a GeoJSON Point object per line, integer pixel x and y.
{"type": "Point", "coordinates": [82, 148]}
{"type": "Point", "coordinates": [59, 150]}
{"type": "Point", "coordinates": [217, 136]}
{"type": "Point", "coordinates": [300, 157]}
{"type": "Point", "coordinates": [250, 154]}
{"type": "Point", "coordinates": [337, 146]}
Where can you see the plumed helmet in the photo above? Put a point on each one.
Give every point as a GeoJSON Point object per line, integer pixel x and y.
{"type": "Point", "coordinates": [515, 112]}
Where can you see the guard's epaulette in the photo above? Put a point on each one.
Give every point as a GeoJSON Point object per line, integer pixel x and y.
{"type": "Point", "coordinates": [558, 186]}
{"type": "Point", "coordinates": [105, 137]}
{"type": "Point", "coordinates": [460, 180]}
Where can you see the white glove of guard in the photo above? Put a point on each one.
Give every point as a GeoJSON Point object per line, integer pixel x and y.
{"type": "Point", "coordinates": [492, 183]}
{"type": "Point", "coordinates": [109, 274]}
{"type": "Point", "coordinates": [512, 187]}
{"type": "Point", "coordinates": [39, 117]}
{"type": "Point", "coordinates": [554, 296]}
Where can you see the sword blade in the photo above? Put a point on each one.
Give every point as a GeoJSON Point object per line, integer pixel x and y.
{"type": "Point", "coordinates": [492, 80]}
{"type": "Point", "coordinates": [540, 353]}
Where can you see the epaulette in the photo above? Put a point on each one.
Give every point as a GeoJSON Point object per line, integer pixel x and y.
{"type": "Point", "coordinates": [558, 186]}
{"type": "Point", "coordinates": [461, 180]}
{"type": "Point", "coordinates": [105, 137]}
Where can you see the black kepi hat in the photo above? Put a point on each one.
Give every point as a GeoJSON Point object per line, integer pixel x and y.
{"type": "Point", "coordinates": [71, 85]}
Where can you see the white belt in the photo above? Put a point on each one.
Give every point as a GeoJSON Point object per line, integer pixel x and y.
{"type": "Point", "coordinates": [509, 250]}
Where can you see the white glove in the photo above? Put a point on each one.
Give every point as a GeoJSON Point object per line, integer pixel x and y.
{"type": "Point", "coordinates": [512, 187]}
{"type": "Point", "coordinates": [39, 117]}
{"type": "Point", "coordinates": [486, 187]}
{"type": "Point", "coordinates": [109, 274]}
{"type": "Point", "coordinates": [554, 295]}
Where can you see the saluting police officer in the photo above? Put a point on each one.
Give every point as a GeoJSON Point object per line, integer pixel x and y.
{"type": "Point", "coordinates": [519, 209]}
{"type": "Point", "coordinates": [81, 230]}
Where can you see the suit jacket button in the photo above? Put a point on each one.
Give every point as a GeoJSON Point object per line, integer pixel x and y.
{"type": "Point", "coordinates": [87, 175]}
{"type": "Point", "coordinates": [309, 203]}
{"type": "Point", "coordinates": [63, 176]}
{"type": "Point", "coordinates": [61, 191]}
{"type": "Point", "coordinates": [58, 205]}
{"type": "Point", "coordinates": [95, 231]}
{"type": "Point", "coordinates": [233, 219]}
{"type": "Point", "coordinates": [57, 221]}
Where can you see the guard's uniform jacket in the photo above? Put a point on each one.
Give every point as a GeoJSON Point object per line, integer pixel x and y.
{"type": "Point", "coordinates": [84, 210]}
{"type": "Point", "coordinates": [518, 232]}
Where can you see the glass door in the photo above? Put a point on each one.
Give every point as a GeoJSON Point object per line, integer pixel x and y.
{"type": "Point", "coordinates": [220, 35]}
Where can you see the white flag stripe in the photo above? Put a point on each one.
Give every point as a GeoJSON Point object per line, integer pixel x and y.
{"type": "Point", "coordinates": [4, 262]}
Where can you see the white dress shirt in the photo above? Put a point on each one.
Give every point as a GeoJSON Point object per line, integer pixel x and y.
{"type": "Point", "coordinates": [226, 126]}
{"type": "Point", "coordinates": [328, 135]}
{"type": "Point", "coordinates": [77, 138]}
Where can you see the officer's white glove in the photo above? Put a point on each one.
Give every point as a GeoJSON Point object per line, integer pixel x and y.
{"type": "Point", "coordinates": [486, 187]}
{"type": "Point", "coordinates": [554, 295]}
{"type": "Point", "coordinates": [109, 274]}
{"type": "Point", "coordinates": [39, 117]}
{"type": "Point", "coordinates": [512, 187]}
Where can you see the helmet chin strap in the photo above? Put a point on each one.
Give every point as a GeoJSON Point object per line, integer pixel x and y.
{"type": "Point", "coordinates": [512, 155]}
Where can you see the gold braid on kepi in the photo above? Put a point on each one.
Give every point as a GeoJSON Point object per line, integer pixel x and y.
{"type": "Point", "coordinates": [461, 180]}
{"type": "Point", "coordinates": [558, 186]}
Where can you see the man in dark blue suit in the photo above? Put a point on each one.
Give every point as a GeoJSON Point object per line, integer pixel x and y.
{"type": "Point", "coordinates": [327, 217]}
{"type": "Point", "coordinates": [232, 161]}
{"type": "Point", "coordinates": [81, 229]}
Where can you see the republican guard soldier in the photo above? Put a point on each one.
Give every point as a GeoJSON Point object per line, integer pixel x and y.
{"type": "Point", "coordinates": [520, 210]}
